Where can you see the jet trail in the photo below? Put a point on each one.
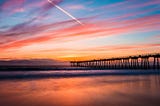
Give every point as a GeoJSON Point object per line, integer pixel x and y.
{"type": "Point", "coordinates": [64, 11]}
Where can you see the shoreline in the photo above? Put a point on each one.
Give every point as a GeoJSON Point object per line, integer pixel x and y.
{"type": "Point", "coordinates": [70, 73]}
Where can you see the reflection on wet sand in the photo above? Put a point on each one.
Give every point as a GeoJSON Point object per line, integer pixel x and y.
{"type": "Point", "coordinates": [82, 91]}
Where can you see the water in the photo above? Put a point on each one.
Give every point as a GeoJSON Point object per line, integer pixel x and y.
{"type": "Point", "coordinates": [90, 90]}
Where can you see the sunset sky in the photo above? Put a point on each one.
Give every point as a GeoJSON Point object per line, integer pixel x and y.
{"type": "Point", "coordinates": [110, 28]}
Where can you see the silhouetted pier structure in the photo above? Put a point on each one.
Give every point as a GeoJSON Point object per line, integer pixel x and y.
{"type": "Point", "coordinates": [148, 61]}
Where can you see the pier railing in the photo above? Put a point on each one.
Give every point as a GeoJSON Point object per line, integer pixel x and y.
{"type": "Point", "coordinates": [148, 61]}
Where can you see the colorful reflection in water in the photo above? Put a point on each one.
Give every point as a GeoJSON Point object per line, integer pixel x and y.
{"type": "Point", "coordinates": [82, 91]}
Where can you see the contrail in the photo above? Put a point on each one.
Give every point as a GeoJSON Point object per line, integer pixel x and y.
{"type": "Point", "coordinates": [64, 11]}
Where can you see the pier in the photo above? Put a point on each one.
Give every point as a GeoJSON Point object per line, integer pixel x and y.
{"type": "Point", "coordinates": [148, 61]}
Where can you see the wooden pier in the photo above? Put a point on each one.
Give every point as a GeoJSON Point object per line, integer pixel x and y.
{"type": "Point", "coordinates": [148, 61]}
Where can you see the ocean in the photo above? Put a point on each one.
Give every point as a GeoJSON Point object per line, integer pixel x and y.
{"type": "Point", "coordinates": [80, 88]}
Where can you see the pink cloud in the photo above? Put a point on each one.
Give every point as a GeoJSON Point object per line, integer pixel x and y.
{"type": "Point", "coordinates": [16, 6]}
{"type": "Point", "coordinates": [130, 4]}
{"type": "Point", "coordinates": [13, 6]}
{"type": "Point", "coordinates": [99, 28]}
{"type": "Point", "coordinates": [124, 47]}
{"type": "Point", "coordinates": [115, 5]}
{"type": "Point", "coordinates": [106, 48]}
{"type": "Point", "coordinates": [43, 5]}
{"type": "Point", "coordinates": [75, 7]}
{"type": "Point", "coordinates": [152, 2]}
{"type": "Point", "coordinates": [9, 3]}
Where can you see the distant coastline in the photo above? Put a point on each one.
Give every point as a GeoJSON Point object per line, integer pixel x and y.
{"type": "Point", "coordinates": [41, 68]}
